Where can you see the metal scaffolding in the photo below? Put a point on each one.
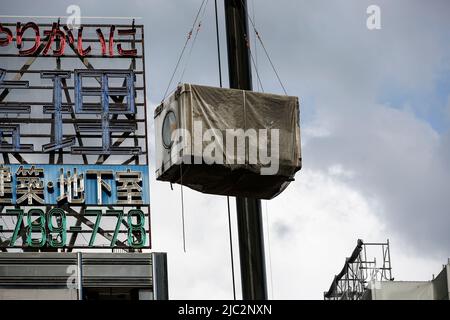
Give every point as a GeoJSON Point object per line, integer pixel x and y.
{"type": "Point", "coordinates": [359, 271]}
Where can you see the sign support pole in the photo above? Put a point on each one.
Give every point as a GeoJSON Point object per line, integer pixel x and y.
{"type": "Point", "coordinates": [80, 275]}
{"type": "Point", "coordinates": [249, 213]}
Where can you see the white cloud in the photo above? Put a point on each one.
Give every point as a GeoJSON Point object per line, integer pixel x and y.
{"type": "Point", "coordinates": [314, 226]}
{"type": "Point", "coordinates": [322, 219]}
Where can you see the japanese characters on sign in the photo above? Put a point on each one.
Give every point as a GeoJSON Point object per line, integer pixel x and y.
{"type": "Point", "coordinates": [106, 126]}
{"type": "Point", "coordinates": [65, 37]}
{"type": "Point", "coordinates": [28, 185]}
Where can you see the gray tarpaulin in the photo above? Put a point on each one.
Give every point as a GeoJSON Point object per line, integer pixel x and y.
{"type": "Point", "coordinates": [230, 109]}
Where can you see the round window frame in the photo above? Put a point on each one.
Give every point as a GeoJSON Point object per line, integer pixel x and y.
{"type": "Point", "coordinates": [169, 146]}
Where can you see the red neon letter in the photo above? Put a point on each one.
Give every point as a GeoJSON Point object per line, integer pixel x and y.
{"type": "Point", "coordinates": [6, 41]}
{"type": "Point", "coordinates": [111, 40]}
{"type": "Point", "coordinates": [82, 52]}
{"type": "Point", "coordinates": [62, 43]}
{"type": "Point", "coordinates": [102, 40]}
{"type": "Point", "coordinates": [127, 53]}
{"type": "Point", "coordinates": [55, 33]}
{"type": "Point", "coordinates": [19, 34]}
{"type": "Point", "coordinates": [69, 34]}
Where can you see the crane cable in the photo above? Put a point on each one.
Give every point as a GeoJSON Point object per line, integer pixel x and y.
{"type": "Point", "coordinates": [201, 10]}
{"type": "Point", "coordinates": [219, 60]}
{"type": "Point", "coordinates": [264, 48]}
{"type": "Point", "coordinates": [183, 221]}
{"type": "Point", "coordinates": [269, 249]}
{"type": "Point", "coordinates": [189, 36]}
{"type": "Point", "coordinates": [266, 202]}
{"type": "Point", "coordinates": [255, 45]}
{"type": "Point", "coordinates": [193, 41]}
{"type": "Point", "coordinates": [255, 64]}
{"type": "Point", "coordinates": [200, 14]}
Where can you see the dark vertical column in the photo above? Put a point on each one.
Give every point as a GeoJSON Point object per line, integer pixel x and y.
{"type": "Point", "coordinates": [249, 217]}
{"type": "Point", "coordinates": [80, 275]}
{"type": "Point", "coordinates": [160, 277]}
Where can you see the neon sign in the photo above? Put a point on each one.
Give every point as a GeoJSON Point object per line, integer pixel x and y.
{"type": "Point", "coordinates": [73, 184]}
{"type": "Point", "coordinates": [73, 139]}
{"type": "Point", "coordinates": [51, 228]}
{"type": "Point", "coordinates": [64, 36]}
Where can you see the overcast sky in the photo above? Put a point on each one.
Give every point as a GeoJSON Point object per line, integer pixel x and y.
{"type": "Point", "coordinates": [375, 107]}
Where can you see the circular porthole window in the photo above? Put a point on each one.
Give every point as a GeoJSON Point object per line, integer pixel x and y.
{"type": "Point", "coordinates": [169, 126]}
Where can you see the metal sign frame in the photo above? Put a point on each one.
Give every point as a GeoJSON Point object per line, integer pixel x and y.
{"type": "Point", "coordinates": [88, 120]}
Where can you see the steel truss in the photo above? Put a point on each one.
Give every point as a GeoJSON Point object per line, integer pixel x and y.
{"type": "Point", "coordinates": [359, 271]}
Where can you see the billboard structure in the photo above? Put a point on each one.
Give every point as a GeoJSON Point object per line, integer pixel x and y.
{"type": "Point", "coordinates": [73, 138]}
{"type": "Point", "coordinates": [368, 264]}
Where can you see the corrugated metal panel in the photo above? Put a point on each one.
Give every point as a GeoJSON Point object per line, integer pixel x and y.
{"type": "Point", "coordinates": [34, 269]}
{"type": "Point", "coordinates": [38, 294]}
{"type": "Point", "coordinates": [54, 269]}
{"type": "Point", "coordinates": [117, 270]}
